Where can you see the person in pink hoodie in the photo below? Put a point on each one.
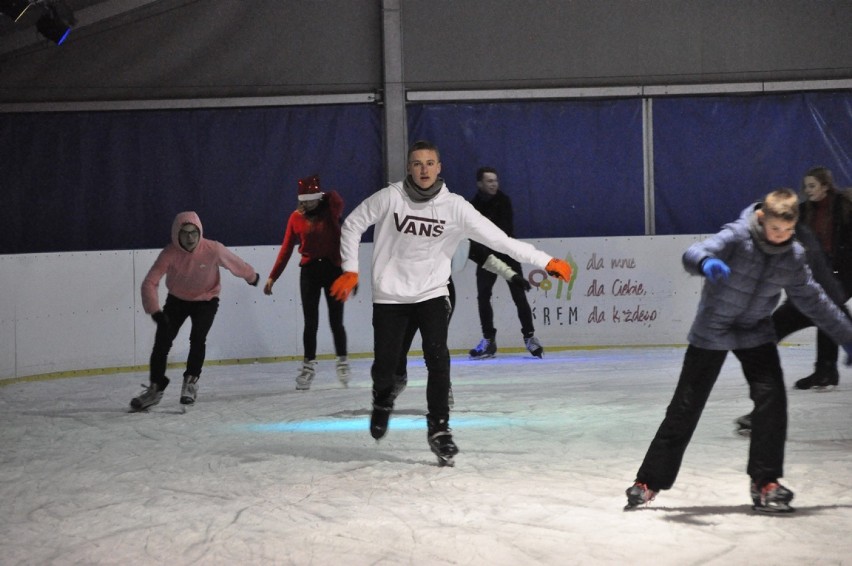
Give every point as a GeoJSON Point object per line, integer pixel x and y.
{"type": "Point", "coordinates": [191, 265]}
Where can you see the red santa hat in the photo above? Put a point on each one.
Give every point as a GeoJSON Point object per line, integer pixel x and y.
{"type": "Point", "coordinates": [309, 188]}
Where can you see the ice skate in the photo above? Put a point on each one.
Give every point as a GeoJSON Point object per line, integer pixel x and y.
{"type": "Point", "coordinates": [441, 441]}
{"type": "Point", "coordinates": [534, 346]}
{"type": "Point", "coordinates": [152, 395]}
{"type": "Point", "coordinates": [379, 420]}
{"type": "Point", "coordinates": [306, 375]}
{"type": "Point", "coordinates": [486, 348]}
{"type": "Point", "coordinates": [824, 378]}
{"type": "Point", "coordinates": [343, 371]}
{"type": "Point", "coordinates": [743, 425]}
{"type": "Point", "coordinates": [771, 498]}
{"type": "Point", "coordinates": [190, 390]}
{"type": "Point", "coordinates": [638, 494]}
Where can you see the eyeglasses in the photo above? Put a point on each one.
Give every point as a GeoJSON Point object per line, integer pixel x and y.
{"type": "Point", "coordinates": [189, 232]}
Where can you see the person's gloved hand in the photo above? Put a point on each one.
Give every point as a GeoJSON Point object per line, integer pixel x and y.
{"type": "Point", "coordinates": [267, 289]}
{"type": "Point", "coordinates": [559, 268]}
{"type": "Point", "coordinates": [256, 279]}
{"type": "Point", "coordinates": [715, 269]}
{"type": "Point", "coordinates": [344, 285]}
{"type": "Point", "coordinates": [519, 281]}
{"type": "Point", "coordinates": [848, 349]}
{"type": "Point", "coordinates": [160, 318]}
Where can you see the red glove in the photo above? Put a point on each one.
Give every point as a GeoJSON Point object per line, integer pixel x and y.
{"type": "Point", "coordinates": [559, 268]}
{"type": "Point", "coordinates": [343, 285]}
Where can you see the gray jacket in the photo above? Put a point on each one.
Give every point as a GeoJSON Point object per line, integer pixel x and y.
{"type": "Point", "coordinates": [736, 313]}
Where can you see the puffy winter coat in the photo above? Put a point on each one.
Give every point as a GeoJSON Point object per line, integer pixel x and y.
{"type": "Point", "coordinates": [736, 312]}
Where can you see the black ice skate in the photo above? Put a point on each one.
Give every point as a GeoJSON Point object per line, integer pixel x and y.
{"type": "Point", "coordinates": [379, 420]}
{"type": "Point", "coordinates": [150, 396]}
{"type": "Point", "coordinates": [824, 378]}
{"type": "Point", "coordinates": [638, 494]}
{"type": "Point", "coordinates": [486, 348]}
{"type": "Point", "coordinates": [771, 498]}
{"type": "Point", "coordinates": [743, 425]}
{"type": "Point", "coordinates": [441, 441]}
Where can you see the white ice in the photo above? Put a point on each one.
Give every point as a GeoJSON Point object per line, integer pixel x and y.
{"type": "Point", "coordinates": [259, 473]}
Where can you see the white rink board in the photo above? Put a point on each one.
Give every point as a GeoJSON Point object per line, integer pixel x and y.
{"type": "Point", "coordinates": [79, 311]}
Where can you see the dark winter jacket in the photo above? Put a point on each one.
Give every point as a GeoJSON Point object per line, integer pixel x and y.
{"type": "Point", "coordinates": [497, 209]}
{"type": "Point", "coordinates": [840, 257]}
{"type": "Point", "coordinates": [735, 313]}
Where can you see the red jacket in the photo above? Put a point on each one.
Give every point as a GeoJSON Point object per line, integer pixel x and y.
{"type": "Point", "coordinates": [317, 232]}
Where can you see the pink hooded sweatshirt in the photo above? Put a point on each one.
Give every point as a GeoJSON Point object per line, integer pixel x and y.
{"type": "Point", "coordinates": [191, 276]}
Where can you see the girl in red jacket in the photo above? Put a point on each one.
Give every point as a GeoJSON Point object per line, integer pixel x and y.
{"type": "Point", "coordinates": [315, 225]}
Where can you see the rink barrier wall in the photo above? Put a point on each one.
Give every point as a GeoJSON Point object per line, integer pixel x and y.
{"type": "Point", "coordinates": [80, 313]}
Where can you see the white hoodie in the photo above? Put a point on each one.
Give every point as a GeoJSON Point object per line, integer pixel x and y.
{"type": "Point", "coordinates": [414, 242]}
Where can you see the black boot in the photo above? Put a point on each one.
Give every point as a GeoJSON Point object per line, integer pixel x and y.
{"type": "Point", "coordinates": [824, 376]}
{"type": "Point", "coordinates": [441, 440]}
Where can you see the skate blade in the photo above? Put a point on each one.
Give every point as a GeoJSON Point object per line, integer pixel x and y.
{"type": "Point", "coordinates": [485, 357]}
{"type": "Point", "coordinates": [446, 461]}
{"type": "Point", "coordinates": [773, 509]}
{"type": "Point", "coordinates": [744, 432]}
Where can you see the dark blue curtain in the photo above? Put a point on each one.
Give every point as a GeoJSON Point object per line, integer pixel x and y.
{"type": "Point", "coordinates": [77, 181]}
{"type": "Point", "coordinates": [571, 168]}
{"type": "Point", "coordinates": [715, 155]}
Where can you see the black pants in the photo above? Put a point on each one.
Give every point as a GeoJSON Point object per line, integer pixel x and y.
{"type": "Point", "coordinates": [411, 331]}
{"type": "Point", "coordinates": [316, 277]}
{"type": "Point", "coordinates": [201, 315]}
{"type": "Point", "coordinates": [484, 284]}
{"type": "Point", "coordinates": [762, 369]}
{"type": "Point", "coordinates": [390, 322]}
{"type": "Point", "coordinates": [788, 319]}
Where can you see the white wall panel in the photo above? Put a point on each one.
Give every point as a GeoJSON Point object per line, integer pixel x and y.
{"type": "Point", "coordinates": [76, 311]}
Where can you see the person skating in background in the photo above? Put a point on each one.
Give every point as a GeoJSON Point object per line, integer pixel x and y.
{"type": "Point", "coordinates": [495, 205]}
{"type": "Point", "coordinates": [747, 265]}
{"type": "Point", "coordinates": [418, 225]}
{"type": "Point", "coordinates": [828, 213]}
{"type": "Point", "coordinates": [191, 265]}
{"type": "Point", "coordinates": [315, 226]}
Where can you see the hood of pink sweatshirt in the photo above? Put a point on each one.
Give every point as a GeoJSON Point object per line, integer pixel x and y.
{"type": "Point", "coordinates": [188, 217]}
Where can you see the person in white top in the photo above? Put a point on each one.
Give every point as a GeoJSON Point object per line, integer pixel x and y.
{"type": "Point", "coordinates": [418, 225]}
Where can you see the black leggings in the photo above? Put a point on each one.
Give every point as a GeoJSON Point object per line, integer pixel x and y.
{"type": "Point", "coordinates": [201, 315]}
{"type": "Point", "coordinates": [315, 277]}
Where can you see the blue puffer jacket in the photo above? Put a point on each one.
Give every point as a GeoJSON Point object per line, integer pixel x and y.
{"type": "Point", "coordinates": [735, 313]}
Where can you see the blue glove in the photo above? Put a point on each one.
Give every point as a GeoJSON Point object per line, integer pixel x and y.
{"type": "Point", "coordinates": [848, 349]}
{"type": "Point", "coordinates": [715, 269]}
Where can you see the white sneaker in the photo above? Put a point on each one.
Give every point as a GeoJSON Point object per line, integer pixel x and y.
{"type": "Point", "coordinates": [306, 376]}
{"type": "Point", "coordinates": [343, 371]}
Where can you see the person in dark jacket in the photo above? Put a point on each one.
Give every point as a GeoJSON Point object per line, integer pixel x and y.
{"type": "Point", "coordinates": [495, 205]}
{"type": "Point", "coordinates": [747, 265]}
{"type": "Point", "coordinates": [828, 214]}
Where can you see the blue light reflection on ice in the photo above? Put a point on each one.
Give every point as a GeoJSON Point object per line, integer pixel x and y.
{"type": "Point", "coordinates": [361, 424]}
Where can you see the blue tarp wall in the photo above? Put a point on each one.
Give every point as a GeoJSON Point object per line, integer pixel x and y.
{"type": "Point", "coordinates": [75, 181]}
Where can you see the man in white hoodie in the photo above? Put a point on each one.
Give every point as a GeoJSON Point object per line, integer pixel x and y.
{"type": "Point", "coordinates": [418, 226]}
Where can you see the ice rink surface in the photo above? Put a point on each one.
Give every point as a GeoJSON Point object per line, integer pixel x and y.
{"type": "Point", "coordinates": [259, 473]}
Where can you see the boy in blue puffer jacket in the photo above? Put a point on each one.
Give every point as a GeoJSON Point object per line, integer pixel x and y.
{"type": "Point", "coordinates": [747, 265]}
